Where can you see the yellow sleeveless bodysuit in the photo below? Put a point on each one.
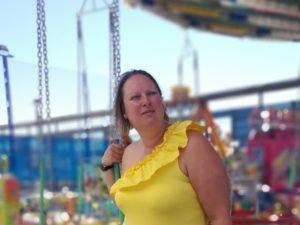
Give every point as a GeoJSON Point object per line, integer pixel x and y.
{"type": "Point", "coordinates": [155, 191]}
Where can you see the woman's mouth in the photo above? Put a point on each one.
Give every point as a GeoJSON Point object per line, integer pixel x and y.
{"type": "Point", "coordinates": [148, 112]}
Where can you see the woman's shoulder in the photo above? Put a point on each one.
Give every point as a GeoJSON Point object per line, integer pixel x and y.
{"type": "Point", "coordinates": [131, 150]}
{"type": "Point", "coordinates": [181, 131]}
{"type": "Point", "coordinates": [131, 146]}
{"type": "Point", "coordinates": [198, 144]}
{"type": "Point", "coordinates": [195, 138]}
{"type": "Point", "coordinates": [129, 156]}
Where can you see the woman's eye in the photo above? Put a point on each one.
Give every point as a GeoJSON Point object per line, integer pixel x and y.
{"type": "Point", "coordinates": [135, 97]}
{"type": "Point", "coordinates": [152, 93]}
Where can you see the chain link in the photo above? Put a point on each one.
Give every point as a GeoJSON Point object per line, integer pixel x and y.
{"type": "Point", "coordinates": [115, 55]}
{"type": "Point", "coordinates": [42, 59]}
{"type": "Point", "coordinates": [40, 63]}
{"type": "Point", "coordinates": [115, 35]}
{"type": "Point", "coordinates": [45, 55]}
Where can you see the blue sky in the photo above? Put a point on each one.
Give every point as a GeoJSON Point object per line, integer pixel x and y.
{"type": "Point", "coordinates": [147, 42]}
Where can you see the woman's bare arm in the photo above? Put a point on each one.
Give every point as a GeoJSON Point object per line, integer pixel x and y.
{"type": "Point", "coordinates": [209, 178]}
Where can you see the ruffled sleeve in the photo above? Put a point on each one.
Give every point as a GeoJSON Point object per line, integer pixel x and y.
{"type": "Point", "coordinates": [175, 138]}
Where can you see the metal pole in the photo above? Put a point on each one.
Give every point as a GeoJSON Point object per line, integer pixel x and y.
{"type": "Point", "coordinates": [10, 151]}
{"type": "Point", "coordinates": [42, 187]}
{"type": "Point", "coordinates": [261, 101]}
{"type": "Point", "coordinates": [80, 191]}
{"type": "Point", "coordinates": [42, 163]}
{"type": "Point", "coordinates": [196, 72]}
{"type": "Point", "coordinates": [7, 92]}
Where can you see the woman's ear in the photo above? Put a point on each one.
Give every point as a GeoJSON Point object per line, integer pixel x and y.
{"type": "Point", "coordinates": [125, 116]}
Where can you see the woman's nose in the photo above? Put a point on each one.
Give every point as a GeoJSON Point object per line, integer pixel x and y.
{"type": "Point", "coordinates": [145, 99]}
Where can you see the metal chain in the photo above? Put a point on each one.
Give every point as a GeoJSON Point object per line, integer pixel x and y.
{"type": "Point", "coordinates": [45, 58]}
{"type": "Point", "coordinates": [40, 63]}
{"type": "Point", "coordinates": [115, 35]}
{"type": "Point", "coordinates": [42, 59]}
{"type": "Point", "coordinates": [115, 55]}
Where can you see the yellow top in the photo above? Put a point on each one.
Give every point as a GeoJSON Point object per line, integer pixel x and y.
{"type": "Point", "coordinates": [155, 191]}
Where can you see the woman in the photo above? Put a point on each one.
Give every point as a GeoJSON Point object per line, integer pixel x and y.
{"type": "Point", "coordinates": [172, 175]}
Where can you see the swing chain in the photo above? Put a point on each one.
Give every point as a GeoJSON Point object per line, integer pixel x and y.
{"type": "Point", "coordinates": [40, 63]}
{"type": "Point", "coordinates": [115, 69]}
{"type": "Point", "coordinates": [42, 59]}
{"type": "Point", "coordinates": [45, 54]}
{"type": "Point", "coordinates": [115, 35]}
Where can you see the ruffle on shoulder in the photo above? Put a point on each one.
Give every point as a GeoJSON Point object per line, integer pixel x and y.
{"type": "Point", "coordinates": [175, 138]}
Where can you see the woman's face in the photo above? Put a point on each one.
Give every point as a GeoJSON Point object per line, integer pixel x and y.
{"type": "Point", "coordinates": [142, 102]}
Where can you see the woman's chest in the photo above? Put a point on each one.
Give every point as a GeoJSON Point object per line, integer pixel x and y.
{"type": "Point", "coordinates": [166, 190]}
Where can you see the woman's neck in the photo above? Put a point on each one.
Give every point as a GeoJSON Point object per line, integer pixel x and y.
{"type": "Point", "coordinates": [153, 136]}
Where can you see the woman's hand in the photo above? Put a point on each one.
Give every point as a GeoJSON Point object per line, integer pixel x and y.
{"type": "Point", "coordinates": [114, 152]}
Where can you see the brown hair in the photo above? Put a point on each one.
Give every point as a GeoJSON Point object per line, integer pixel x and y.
{"type": "Point", "coordinates": [122, 124]}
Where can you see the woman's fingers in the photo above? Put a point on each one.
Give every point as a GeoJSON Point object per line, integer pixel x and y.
{"type": "Point", "coordinates": [116, 157]}
{"type": "Point", "coordinates": [117, 146]}
{"type": "Point", "coordinates": [111, 141]}
{"type": "Point", "coordinates": [113, 154]}
{"type": "Point", "coordinates": [117, 151]}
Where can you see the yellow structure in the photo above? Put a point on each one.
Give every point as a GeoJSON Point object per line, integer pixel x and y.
{"type": "Point", "coordinates": [203, 112]}
{"type": "Point", "coordinates": [180, 93]}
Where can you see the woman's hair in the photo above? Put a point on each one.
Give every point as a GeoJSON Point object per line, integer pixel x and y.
{"type": "Point", "coordinates": [122, 124]}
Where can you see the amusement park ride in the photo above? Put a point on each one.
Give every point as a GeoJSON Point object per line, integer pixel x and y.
{"type": "Point", "coordinates": [262, 19]}
{"type": "Point", "coordinates": [273, 144]}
